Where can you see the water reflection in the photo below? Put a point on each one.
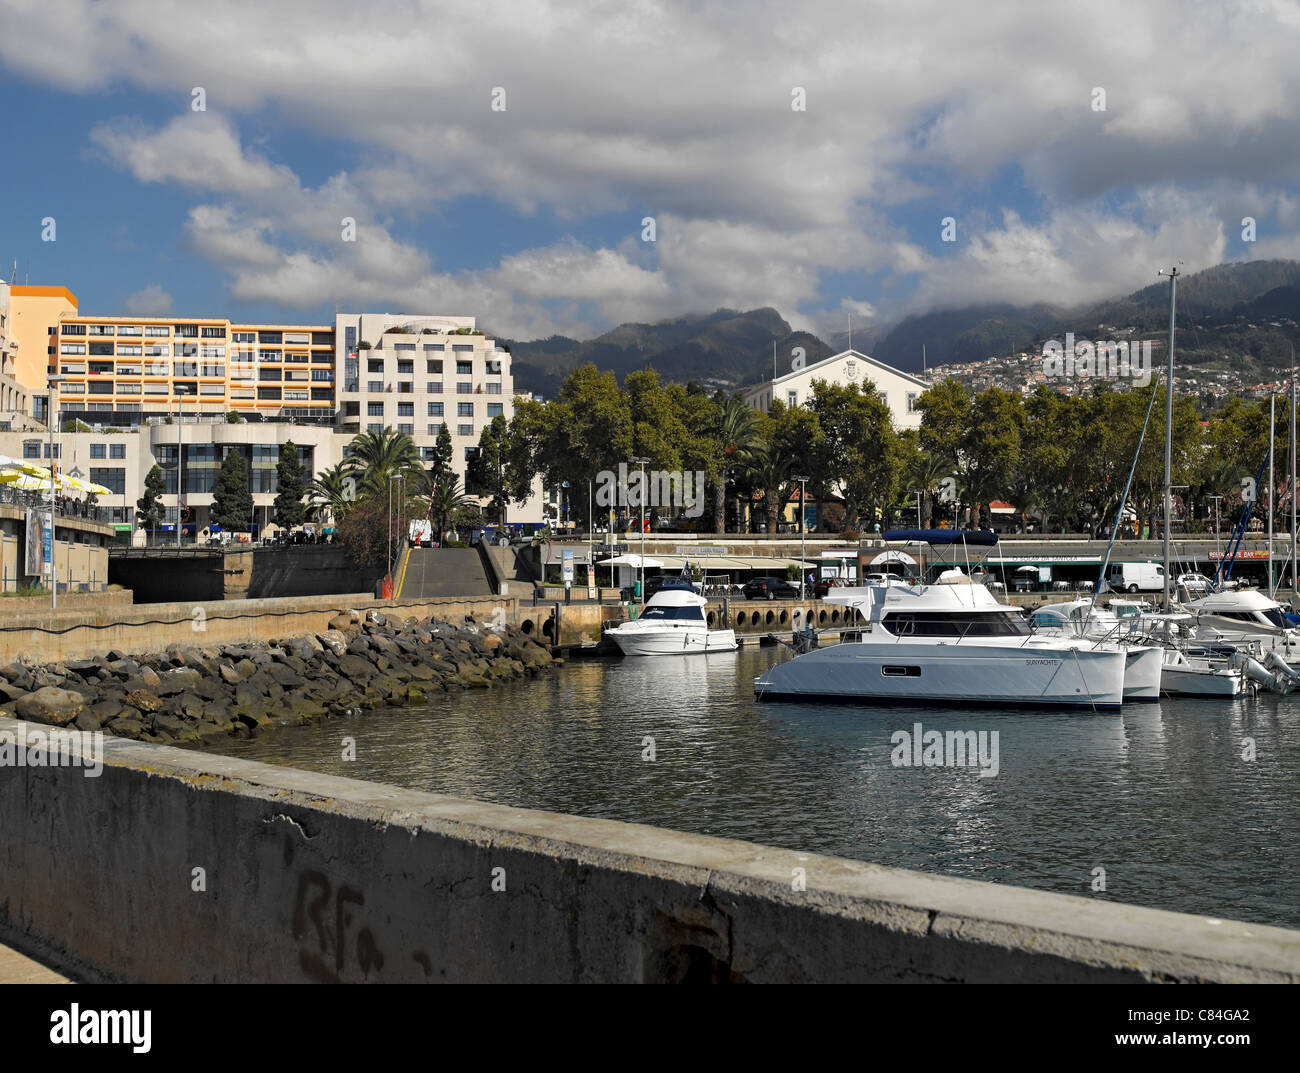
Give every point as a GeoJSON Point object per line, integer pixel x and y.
{"type": "Point", "coordinates": [1158, 796]}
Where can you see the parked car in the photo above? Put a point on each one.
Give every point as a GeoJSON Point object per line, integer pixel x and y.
{"type": "Point", "coordinates": [1195, 583]}
{"type": "Point", "coordinates": [770, 588]}
{"type": "Point", "coordinates": [654, 584]}
{"type": "Point", "coordinates": [823, 585]}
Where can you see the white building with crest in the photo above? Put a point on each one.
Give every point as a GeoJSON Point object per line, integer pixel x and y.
{"type": "Point", "coordinates": [898, 389]}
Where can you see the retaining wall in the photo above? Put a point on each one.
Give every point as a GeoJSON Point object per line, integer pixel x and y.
{"type": "Point", "coordinates": [308, 877]}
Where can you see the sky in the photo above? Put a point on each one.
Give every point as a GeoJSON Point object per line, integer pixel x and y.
{"type": "Point", "coordinates": [501, 161]}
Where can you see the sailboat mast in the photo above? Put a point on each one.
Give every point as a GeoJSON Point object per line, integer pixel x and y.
{"type": "Point", "coordinates": [1272, 410]}
{"type": "Point", "coordinates": [1291, 426]}
{"type": "Point", "coordinates": [1169, 431]}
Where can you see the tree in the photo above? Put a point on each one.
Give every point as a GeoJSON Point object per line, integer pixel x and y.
{"type": "Point", "coordinates": [485, 472]}
{"type": "Point", "coordinates": [440, 468]}
{"type": "Point", "coordinates": [860, 447]}
{"type": "Point", "coordinates": [445, 500]}
{"type": "Point", "coordinates": [366, 533]}
{"type": "Point", "coordinates": [232, 502]}
{"type": "Point", "coordinates": [290, 510]}
{"type": "Point", "coordinates": [149, 508]}
{"type": "Point", "coordinates": [332, 493]}
{"type": "Point", "coordinates": [374, 457]}
{"type": "Point", "coordinates": [738, 438]}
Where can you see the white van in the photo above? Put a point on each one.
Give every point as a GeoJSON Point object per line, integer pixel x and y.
{"type": "Point", "coordinates": [1137, 577]}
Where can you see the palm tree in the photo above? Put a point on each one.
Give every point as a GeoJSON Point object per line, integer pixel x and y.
{"type": "Point", "coordinates": [769, 471]}
{"type": "Point", "coordinates": [332, 492]}
{"type": "Point", "coordinates": [926, 472]}
{"type": "Point", "coordinates": [737, 432]}
{"type": "Point", "coordinates": [374, 457]}
{"type": "Point", "coordinates": [444, 499]}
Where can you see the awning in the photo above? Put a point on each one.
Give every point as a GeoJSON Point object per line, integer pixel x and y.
{"type": "Point", "coordinates": [893, 557]}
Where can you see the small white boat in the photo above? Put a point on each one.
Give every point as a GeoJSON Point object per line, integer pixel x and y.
{"type": "Point", "coordinates": [1143, 661]}
{"type": "Point", "coordinates": [672, 622]}
{"type": "Point", "coordinates": [1244, 615]}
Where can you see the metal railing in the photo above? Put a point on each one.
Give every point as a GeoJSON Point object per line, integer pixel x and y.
{"type": "Point", "coordinates": [63, 506]}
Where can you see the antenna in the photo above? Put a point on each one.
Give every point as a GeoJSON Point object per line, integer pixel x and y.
{"type": "Point", "coordinates": [850, 315]}
{"type": "Point", "coordinates": [923, 369]}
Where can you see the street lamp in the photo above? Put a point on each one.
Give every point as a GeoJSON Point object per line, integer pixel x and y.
{"type": "Point", "coordinates": [918, 493]}
{"type": "Point", "coordinates": [642, 463]}
{"type": "Point", "coordinates": [391, 478]}
{"type": "Point", "coordinates": [50, 382]}
{"type": "Point", "coordinates": [1216, 499]}
{"type": "Point", "coordinates": [803, 481]}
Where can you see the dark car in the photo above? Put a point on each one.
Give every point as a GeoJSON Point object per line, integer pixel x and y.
{"type": "Point", "coordinates": [770, 588]}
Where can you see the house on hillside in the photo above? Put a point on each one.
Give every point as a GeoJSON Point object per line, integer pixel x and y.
{"type": "Point", "coordinates": [898, 389]}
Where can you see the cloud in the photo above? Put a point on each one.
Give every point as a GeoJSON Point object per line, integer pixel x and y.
{"type": "Point", "coordinates": [679, 109]}
{"type": "Point", "coordinates": [152, 301]}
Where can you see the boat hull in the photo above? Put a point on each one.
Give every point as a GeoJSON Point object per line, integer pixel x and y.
{"type": "Point", "coordinates": [1143, 672]}
{"type": "Point", "coordinates": [673, 641]}
{"type": "Point", "coordinates": [964, 674]}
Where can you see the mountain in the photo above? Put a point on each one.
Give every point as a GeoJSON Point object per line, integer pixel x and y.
{"type": "Point", "coordinates": [1245, 315]}
{"type": "Point", "coordinates": [1217, 310]}
{"type": "Point", "coordinates": [725, 348]}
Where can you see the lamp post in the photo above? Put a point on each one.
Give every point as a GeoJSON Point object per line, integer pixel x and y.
{"type": "Point", "coordinates": [51, 382]}
{"type": "Point", "coordinates": [180, 462]}
{"type": "Point", "coordinates": [391, 478]}
{"type": "Point", "coordinates": [1216, 499]}
{"type": "Point", "coordinates": [803, 480]}
{"type": "Point", "coordinates": [642, 462]}
{"type": "Point", "coordinates": [918, 493]}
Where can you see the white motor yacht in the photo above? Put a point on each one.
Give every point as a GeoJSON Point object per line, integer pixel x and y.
{"type": "Point", "coordinates": [1245, 615]}
{"type": "Point", "coordinates": [948, 643]}
{"type": "Point", "coordinates": [672, 622]}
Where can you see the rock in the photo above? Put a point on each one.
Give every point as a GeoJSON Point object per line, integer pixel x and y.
{"type": "Point", "coordinates": [150, 677]}
{"type": "Point", "coordinates": [142, 701]}
{"type": "Point", "coordinates": [286, 677]}
{"type": "Point", "coordinates": [340, 622]}
{"type": "Point", "coordinates": [127, 726]}
{"type": "Point", "coordinates": [229, 674]}
{"type": "Point", "coordinates": [306, 649]}
{"type": "Point", "coordinates": [376, 618]}
{"type": "Point", "coordinates": [246, 668]}
{"type": "Point", "coordinates": [355, 668]}
{"type": "Point", "coordinates": [332, 640]}
{"type": "Point", "coordinates": [56, 707]}
{"type": "Point", "coordinates": [9, 691]}
{"type": "Point", "coordinates": [491, 642]}
{"type": "Point", "coordinates": [178, 680]}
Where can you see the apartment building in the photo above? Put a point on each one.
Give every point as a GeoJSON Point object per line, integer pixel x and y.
{"type": "Point", "coordinates": [120, 371]}
{"type": "Point", "coordinates": [32, 311]}
{"type": "Point", "coordinates": [416, 373]}
{"type": "Point", "coordinates": [898, 390]}
{"type": "Point", "coordinates": [14, 400]}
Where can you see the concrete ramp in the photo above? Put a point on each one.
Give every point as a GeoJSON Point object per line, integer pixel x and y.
{"type": "Point", "coordinates": [432, 572]}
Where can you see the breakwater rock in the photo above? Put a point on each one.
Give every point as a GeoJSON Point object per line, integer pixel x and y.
{"type": "Point", "coordinates": [191, 694]}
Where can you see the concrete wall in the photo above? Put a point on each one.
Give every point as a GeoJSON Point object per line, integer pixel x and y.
{"type": "Point", "coordinates": [308, 877]}
{"type": "Point", "coordinates": [246, 573]}
{"type": "Point", "coordinates": [93, 631]}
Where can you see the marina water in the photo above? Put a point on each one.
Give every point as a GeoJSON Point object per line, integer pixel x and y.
{"type": "Point", "coordinates": [1158, 795]}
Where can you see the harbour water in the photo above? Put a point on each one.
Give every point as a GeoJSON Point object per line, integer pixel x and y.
{"type": "Point", "coordinates": [1158, 795]}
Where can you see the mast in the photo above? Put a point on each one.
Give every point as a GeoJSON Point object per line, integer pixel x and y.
{"type": "Point", "coordinates": [1291, 426]}
{"type": "Point", "coordinates": [1272, 408]}
{"type": "Point", "coordinates": [1169, 430]}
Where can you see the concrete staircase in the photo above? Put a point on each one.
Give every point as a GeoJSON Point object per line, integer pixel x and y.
{"type": "Point", "coordinates": [445, 572]}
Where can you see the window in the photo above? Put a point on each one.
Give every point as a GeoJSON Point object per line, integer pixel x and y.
{"type": "Point", "coordinates": [435, 409]}
{"type": "Point", "coordinates": [32, 449]}
{"type": "Point", "coordinates": [100, 329]}
{"type": "Point", "coordinates": [212, 389]}
{"type": "Point", "coordinates": [101, 368]}
{"type": "Point", "coordinates": [464, 368]}
{"type": "Point", "coordinates": [128, 389]}
{"type": "Point", "coordinates": [268, 355]}
{"type": "Point", "coordinates": [117, 450]}
{"type": "Point", "coordinates": [213, 333]}
{"type": "Point", "coordinates": [373, 366]}
{"type": "Point", "coordinates": [403, 346]}
{"type": "Point", "coordinates": [322, 339]}
{"type": "Point", "coordinates": [99, 450]}
{"type": "Point", "coordinates": [405, 387]}
{"type": "Point", "coordinates": [433, 387]}
{"type": "Point", "coordinates": [406, 409]}
{"type": "Point", "coordinates": [270, 337]}
{"type": "Point", "coordinates": [212, 352]}
{"type": "Point", "coordinates": [130, 330]}
{"type": "Point", "coordinates": [911, 402]}
{"type": "Point", "coordinates": [462, 348]}
{"type": "Point", "coordinates": [495, 409]}
{"type": "Point", "coordinates": [896, 670]}
{"type": "Point", "coordinates": [243, 337]}
{"type": "Point", "coordinates": [405, 368]}
{"type": "Point", "coordinates": [373, 427]}
{"type": "Point", "coordinates": [494, 389]}
{"type": "Point", "coordinates": [322, 374]}
{"type": "Point", "coordinates": [352, 409]}
{"type": "Point", "coordinates": [322, 394]}
{"type": "Point", "coordinates": [374, 385]}
{"type": "Point", "coordinates": [101, 387]}
{"type": "Point", "coordinates": [268, 392]}
{"type": "Point", "coordinates": [185, 350]}
{"type": "Point", "coordinates": [296, 356]}
{"type": "Point", "coordinates": [128, 368]}
{"type": "Point", "coordinates": [73, 329]}
{"type": "Point", "coordinates": [77, 368]}
{"type": "Point", "coordinates": [792, 398]}
{"type": "Point", "coordinates": [155, 389]}
{"type": "Point", "coordinates": [463, 388]}
{"type": "Point", "coordinates": [269, 374]}
{"type": "Point", "coordinates": [111, 477]}
{"type": "Point", "coordinates": [408, 430]}
{"type": "Point", "coordinates": [374, 409]}
{"type": "Point", "coordinates": [464, 409]}
{"type": "Point", "coordinates": [157, 330]}
{"type": "Point", "coordinates": [325, 357]}
{"type": "Point", "coordinates": [295, 395]}
{"type": "Point", "coordinates": [58, 450]}
{"type": "Point", "coordinates": [297, 337]}
{"type": "Point", "coordinates": [434, 430]}
{"type": "Point", "coordinates": [101, 348]}
{"type": "Point", "coordinates": [127, 350]}
{"type": "Point", "coordinates": [464, 430]}
{"type": "Point", "coordinates": [187, 331]}
{"type": "Point", "coordinates": [72, 348]}
{"type": "Point", "coordinates": [156, 350]}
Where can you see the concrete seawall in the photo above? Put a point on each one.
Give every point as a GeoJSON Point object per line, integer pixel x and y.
{"type": "Point", "coordinates": [176, 866]}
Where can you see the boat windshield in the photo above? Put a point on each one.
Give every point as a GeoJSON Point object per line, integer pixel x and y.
{"type": "Point", "coordinates": [955, 624]}
{"type": "Point", "coordinates": [672, 614]}
{"type": "Point", "coordinates": [1265, 616]}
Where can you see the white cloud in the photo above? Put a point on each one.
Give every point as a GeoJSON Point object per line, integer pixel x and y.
{"type": "Point", "coordinates": [682, 109]}
{"type": "Point", "coordinates": [152, 301]}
